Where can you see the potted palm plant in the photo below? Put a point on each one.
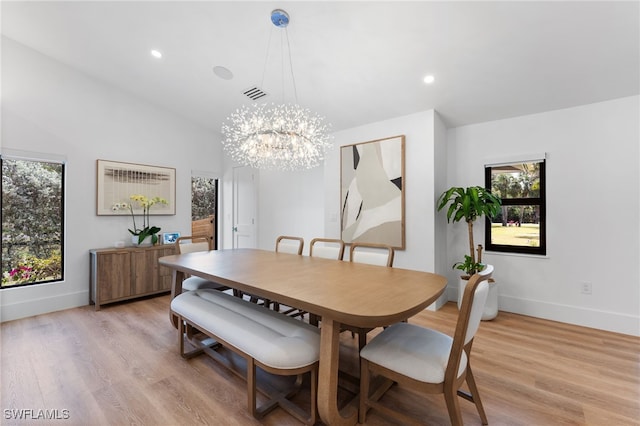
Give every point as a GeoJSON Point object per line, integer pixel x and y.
{"type": "Point", "coordinates": [469, 204]}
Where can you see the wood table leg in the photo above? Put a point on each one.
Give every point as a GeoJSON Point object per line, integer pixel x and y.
{"type": "Point", "coordinates": [328, 377]}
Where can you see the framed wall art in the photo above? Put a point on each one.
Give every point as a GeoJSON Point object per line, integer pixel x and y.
{"type": "Point", "coordinates": [117, 182]}
{"type": "Point", "coordinates": [372, 192]}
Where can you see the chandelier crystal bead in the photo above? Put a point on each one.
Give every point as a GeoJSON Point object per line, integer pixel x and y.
{"type": "Point", "coordinates": [276, 137]}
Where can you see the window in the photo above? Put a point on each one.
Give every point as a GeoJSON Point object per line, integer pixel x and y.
{"type": "Point", "coordinates": [32, 221]}
{"type": "Point", "coordinates": [521, 225]}
{"type": "Point", "coordinates": [204, 199]}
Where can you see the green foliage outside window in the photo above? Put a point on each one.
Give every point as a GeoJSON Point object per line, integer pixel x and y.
{"type": "Point", "coordinates": [203, 197]}
{"type": "Point", "coordinates": [32, 219]}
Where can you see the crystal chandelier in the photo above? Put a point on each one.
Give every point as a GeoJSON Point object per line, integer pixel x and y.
{"type": "Point", "coordinates": [276, 137]}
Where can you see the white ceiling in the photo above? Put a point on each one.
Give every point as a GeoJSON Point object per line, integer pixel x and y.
{"type": "Point", "coordinates": [353, 62]}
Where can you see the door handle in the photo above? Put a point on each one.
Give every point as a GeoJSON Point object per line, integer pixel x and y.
{"type": "Point", "coordinates": [235, 229]}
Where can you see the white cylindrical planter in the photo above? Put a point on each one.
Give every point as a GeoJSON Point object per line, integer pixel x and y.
{"type": "Point", "coordinates": [146, 242]}
{"type": "Point", "coordinates": [462, 283]}
{"type": "Point", "coordinates": [491, 307]}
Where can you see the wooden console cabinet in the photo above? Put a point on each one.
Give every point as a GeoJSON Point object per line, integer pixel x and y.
{"type": "Point", "coordinates": [126, 273]}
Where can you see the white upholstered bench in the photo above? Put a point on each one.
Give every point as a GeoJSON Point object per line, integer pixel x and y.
{"type": "Point", "coordinates": [276, 343]}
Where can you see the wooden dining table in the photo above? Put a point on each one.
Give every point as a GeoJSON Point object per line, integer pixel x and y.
{"type": "Point", "coordinates": [340, 292]}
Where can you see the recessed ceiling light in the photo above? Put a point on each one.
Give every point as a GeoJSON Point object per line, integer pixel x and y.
{"type": "Point", "coordinates": [156, 54]}
{"type": "Point", "coordinates": [223, 73]}
{"type": "Point", "coordinates": [429, 79]}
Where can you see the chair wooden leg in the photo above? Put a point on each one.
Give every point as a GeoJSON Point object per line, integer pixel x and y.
{"type": "Point", "coordinates": [364, 390]}
{"type": "Point", "coordinates": [314, 319]}
{"type": "Point", "coordinates": [453, 405]}
{"type": "Point", "coordinates": [362, 339]}
{"type": "Point", "coordinates": [475, 395]}
{"type": "Point", "coordinates": [314, 396]}
{"type": "Point", "coordinates": [181, 335]}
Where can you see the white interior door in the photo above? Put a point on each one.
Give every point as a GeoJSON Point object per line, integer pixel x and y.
{"type": "Point", "coordinates": [244, 208]}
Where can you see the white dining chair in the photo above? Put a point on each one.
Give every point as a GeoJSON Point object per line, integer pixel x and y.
{"type": "Point", "coordinates": [427, 360]}
{"type": "Point", "coordinates": [372, 254]}
{"type": "Point", "coordinates": [287, 244]}
{"type": "Point", "coordinates": [284, 244]}
{"type": "Point", "coordinates": [327, 248]}
{"type": "Point", "coordinates": [189, 244]}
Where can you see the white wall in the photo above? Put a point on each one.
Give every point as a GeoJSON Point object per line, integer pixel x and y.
{"type": "Point", "coordinates": [592, 212]}
{"type": "Point", "coordinates": [290, 203]}
{"type": "Point", "coordinates": [48, 107]}
{"type": "Point", "coordinates": [440, 185]}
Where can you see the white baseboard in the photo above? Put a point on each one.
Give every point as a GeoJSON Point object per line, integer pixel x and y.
{"type": "Point", "coordinates": [29, 308]}
{"type": "Point", "coordinates": [592, 318]}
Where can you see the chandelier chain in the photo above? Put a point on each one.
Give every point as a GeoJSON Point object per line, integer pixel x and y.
{"type": "Point", "coordinates": [293, 77]}
{"type": "Point", "coordinates": [266, 59]}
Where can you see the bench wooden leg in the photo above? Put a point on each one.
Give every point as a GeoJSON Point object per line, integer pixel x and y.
{"type": "Point", "coordinates": [185, 333]}
{"type": "Point", "coordinates": [282, 400]}
{"type": "Point", "coordinates": [251, 387]}
{"type": "Point", "coordinates": [183, 337]}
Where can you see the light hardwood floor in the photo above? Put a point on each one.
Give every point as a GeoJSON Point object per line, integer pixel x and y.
{"type": "Point", "coordinates": [121, 366]}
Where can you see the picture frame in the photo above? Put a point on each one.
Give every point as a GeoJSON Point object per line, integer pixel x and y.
{"type": "Point", "coordinates": [372, 195]}
{"type": "Point", "coordinates": [170, 237]}
{"type": "Point", "coordinates": [117, 181]}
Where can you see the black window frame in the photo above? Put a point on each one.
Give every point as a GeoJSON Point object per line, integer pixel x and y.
{"type": "Point", "coordinates": [531, 201]}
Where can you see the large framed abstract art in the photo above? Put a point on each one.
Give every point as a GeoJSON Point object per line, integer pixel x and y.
{"type": "Point", "coordinates": [372, 192]}
{"type": "Point", "coordinates": [117, 182]}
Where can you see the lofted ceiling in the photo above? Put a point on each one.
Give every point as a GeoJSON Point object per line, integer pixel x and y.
{"type": "Point", "coordinates": [353, 62]}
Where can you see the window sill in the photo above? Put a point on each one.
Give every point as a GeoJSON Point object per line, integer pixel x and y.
{"type": "Point", "coordinates": [501, 253]}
